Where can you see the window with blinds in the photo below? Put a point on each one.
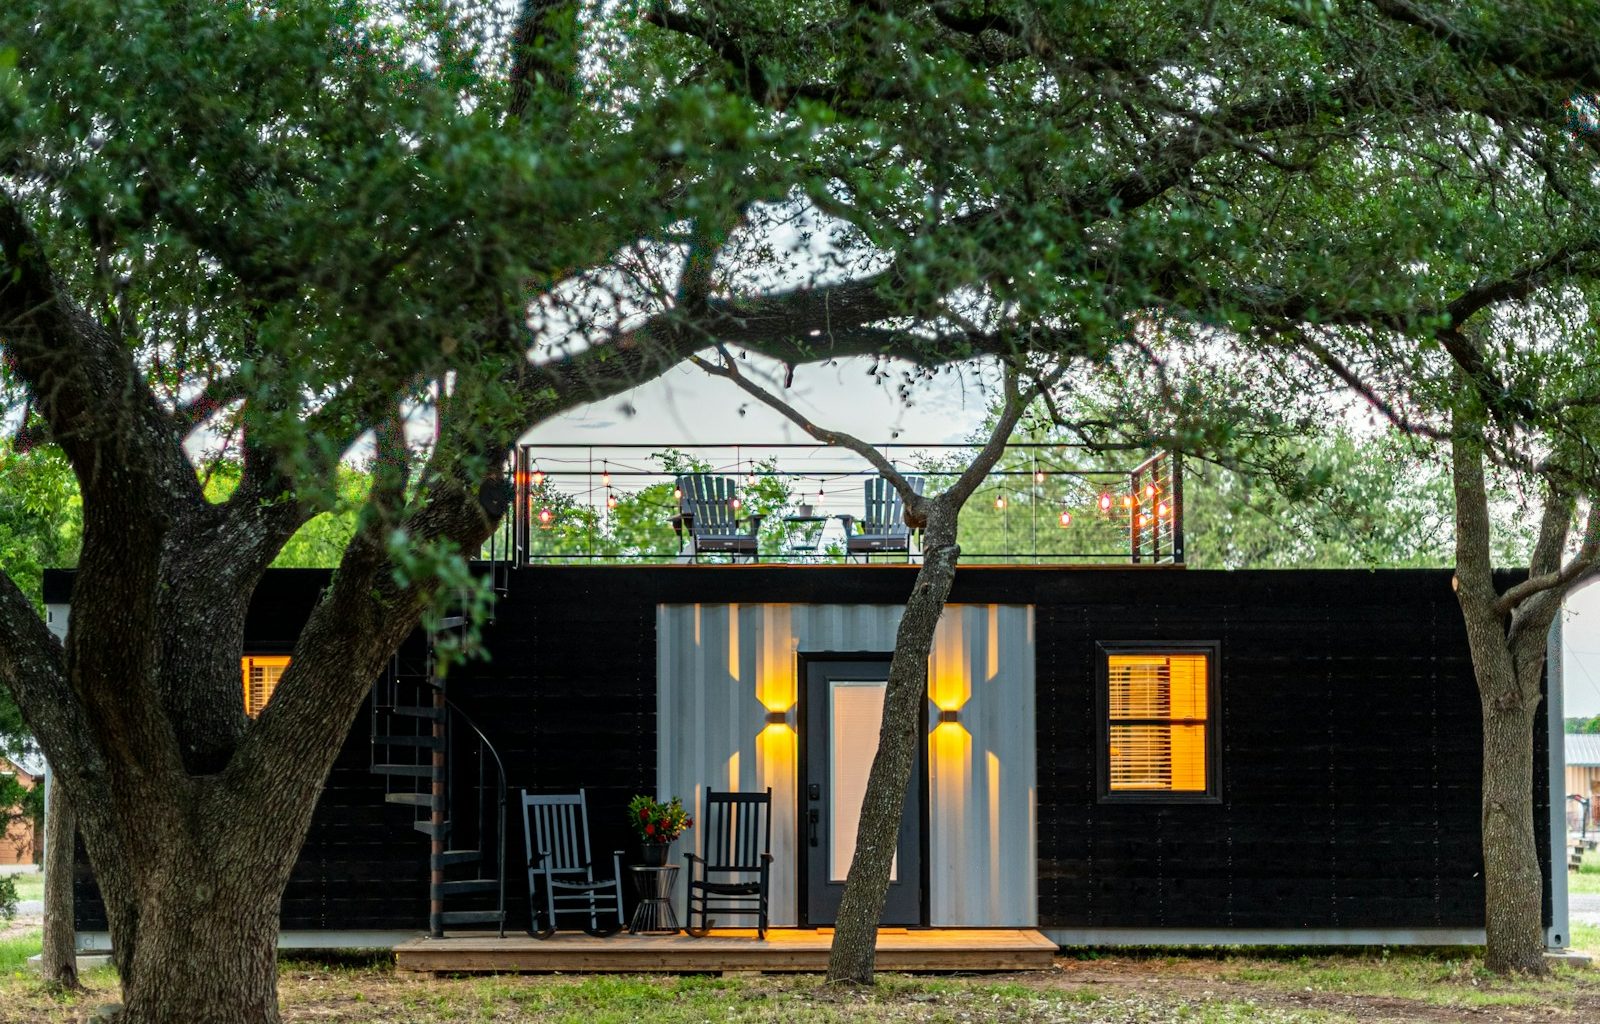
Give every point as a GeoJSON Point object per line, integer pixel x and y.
{"type": "Point", "coordinates": [261, 675]}
{"type": "Point", "coordinates": [1157, 706]}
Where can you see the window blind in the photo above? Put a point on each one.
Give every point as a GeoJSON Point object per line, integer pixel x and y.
{"type": "Point", "coordinates": [1157, 704]}
{"type": "Point", "coordinates": [261, 675]}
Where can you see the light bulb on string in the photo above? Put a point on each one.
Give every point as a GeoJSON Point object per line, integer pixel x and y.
{"type": "Point", "coordinates": [1162, 510]}
{"type": "Point", "coordinates": [1000, 501]}
{"type": "Point", "coordinates": [734, 504]}
{"type": "Point", "coordinates": [1149, 490]}
{"type": "Point", "coordinates": [546, 517]}
{"type": "Point", "coordinates": [1127, 501]}
{"type": "Point", "coordinates": [1038, 476]}
{"type": "Point", "coordinates": [538, 477]}
{"type": "Point", "coordinates": [611, 500]}
{"type": "Point", "coordinates": [1105, 501]}
{"type": "Point", "coordinates": [1066, 519]}
{"type": "Point", "coordinates": [677, 493]}
{"type": "Point", "coordinates": [605, 474]}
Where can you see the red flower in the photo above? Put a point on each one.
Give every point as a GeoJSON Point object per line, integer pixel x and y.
{"type": "Point", "coordinates": [644, 814]}
{"type": "Point", "coordinates": [649, 830]}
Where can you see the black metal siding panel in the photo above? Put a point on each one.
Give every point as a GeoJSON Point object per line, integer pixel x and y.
{"type": "Point", "coordinates": [1348, 714]}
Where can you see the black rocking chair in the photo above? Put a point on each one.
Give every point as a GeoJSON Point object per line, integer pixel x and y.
{"type": "Point", "coordinates": [883, 526]}
{"type": "Point", "coordinates": [735, 870]}
{"type": "Point", "coordinates": [556, 831]}
{"type": "Point", "coordinates": [707, 505]}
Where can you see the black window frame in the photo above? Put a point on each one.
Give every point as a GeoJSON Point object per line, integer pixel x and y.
{"type": "Point", "coordinates": [1212, 650]}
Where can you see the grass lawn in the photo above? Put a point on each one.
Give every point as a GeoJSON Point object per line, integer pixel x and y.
{"type": "Point", "coordinates": [1587, 878]}
{"type": "Point", "coordinates": [30, 886]}
{"type": "Point", "coordinates": [1206, 988]}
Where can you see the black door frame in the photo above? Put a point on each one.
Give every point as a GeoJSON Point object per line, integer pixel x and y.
{"type": "Point", "coordinates": [802, 709]}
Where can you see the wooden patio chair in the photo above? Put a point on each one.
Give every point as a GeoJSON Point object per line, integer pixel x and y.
{"type": "Point", "coordinates": [883, 523]}
{"type": "Point", "coordinates": [707, 508]}
{"type": "Point", "coordinates": [737, 864]}
{"type": "Point", "coordinates": [556, 831]}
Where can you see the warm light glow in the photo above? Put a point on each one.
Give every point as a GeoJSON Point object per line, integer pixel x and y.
{"type": "Point", "coordinates": [1000, 501]}
{"type": "Point", "coordinates": [750, 479]}
{"type": "Point", "coordinates": [1161, 510]}
{"type": "Point", "coordinates": [677, 492]}
{"type": "Point", "coordinates": [1105, 502]}
{"type": "Point", "coordinates": [949, 686]}
{"type": "Point", "coordinates": [538, 478]}
{"type": "Point", "coordinates": [605, 475]}
{"type": "Point", "coordinates": [1038, 476]}
{"type": "Point", "coordinates": [546, 517]}
{"type": "Point", "coordinates": [734, 503]}
{"type": "Point", "coordinates": [261, 675]}
{"type": "Point", "coordinates": [1066, 519]}
{"type": "Point", "coordinates": [1149, 490]}
{"type": "Point", "coordinates": [1127, 501]}
{"type": "Point", "coordinates": [1159, 717]}
{"type": "Point", "coordinates": [611, 500]}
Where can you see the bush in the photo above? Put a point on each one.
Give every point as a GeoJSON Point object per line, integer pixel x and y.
{"type": "Point", "coordinates": [8, 897]}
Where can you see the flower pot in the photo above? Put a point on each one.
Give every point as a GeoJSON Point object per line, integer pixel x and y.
{"type": "Point", "coordinates": [655, 854]}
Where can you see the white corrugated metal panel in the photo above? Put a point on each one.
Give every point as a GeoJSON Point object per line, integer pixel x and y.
{"type": "Point", "coordinates": [720, 668]}
{"type": "Point", "coordinates": [1582, 749]}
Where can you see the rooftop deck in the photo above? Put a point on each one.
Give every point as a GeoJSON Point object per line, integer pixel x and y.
{"type": "Point", "coordinates": [1043, 504]}
{"type": "Point", "coordinates": [784, 949]}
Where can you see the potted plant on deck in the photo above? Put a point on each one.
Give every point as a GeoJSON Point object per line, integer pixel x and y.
{"type": "Point", "coordinates": [658, 824]}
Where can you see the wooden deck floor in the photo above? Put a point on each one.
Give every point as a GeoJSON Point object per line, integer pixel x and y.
{"type": "Point", "coordinates": [785, 949]}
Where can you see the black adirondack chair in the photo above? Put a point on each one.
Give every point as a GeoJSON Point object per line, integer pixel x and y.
{"type": "Point", "coordinates": [732, 877]}
{"type": "Point", "coordinates": [707, 509]}
{"type": "Point", "coordinates": [883, 524]}
{"type": "Point", "coordinates": [556, 830]}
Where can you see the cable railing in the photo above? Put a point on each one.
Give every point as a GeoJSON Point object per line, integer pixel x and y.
{"type": "Point", "coordinates": [1043, 504]}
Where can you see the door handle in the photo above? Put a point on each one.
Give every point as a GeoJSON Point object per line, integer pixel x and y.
{"type": "Point", "coordinates": [812, 817]}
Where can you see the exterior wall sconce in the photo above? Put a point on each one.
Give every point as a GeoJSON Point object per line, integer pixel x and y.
{"type": "Point", "coordinates": [949, 715]}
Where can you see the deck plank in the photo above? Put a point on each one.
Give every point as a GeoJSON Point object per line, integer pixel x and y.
{"type": "Point", "coordinates": [785, 949]}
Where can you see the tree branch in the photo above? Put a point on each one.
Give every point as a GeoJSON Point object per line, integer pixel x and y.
{"type": "Point", "coordinates": [1576, 568]}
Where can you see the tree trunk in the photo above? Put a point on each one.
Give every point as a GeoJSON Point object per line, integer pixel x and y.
{"type": "Point", "coordinates": [1511, 877]}
{"type": "Point", "coordinates": [59, 959]}
{"type": "Point", "coordinates": [855, 935]}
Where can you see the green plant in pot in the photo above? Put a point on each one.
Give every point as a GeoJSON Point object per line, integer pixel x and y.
{"type": "Point", "coordinates": [658, 823]}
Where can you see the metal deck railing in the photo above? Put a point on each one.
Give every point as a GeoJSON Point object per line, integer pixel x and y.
{"type": "Point", "coordinates": [1042, 504]}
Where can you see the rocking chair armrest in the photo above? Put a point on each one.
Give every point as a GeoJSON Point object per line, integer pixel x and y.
{"type": "Point", "coordinates": [755, 521]}
{"type": "Point", "coordinates": [849, 522]}
{"type": "Point", "coordinates": [766, 858]}
{"type": "Point", "coordinates": [534, 860]}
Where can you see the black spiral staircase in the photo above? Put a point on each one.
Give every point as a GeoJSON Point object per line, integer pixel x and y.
{"type": "Point", "coordinates": [434, 758]}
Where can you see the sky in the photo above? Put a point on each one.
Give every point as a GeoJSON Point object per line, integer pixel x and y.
{"type": "Point", "coordinates": [1581, 648]}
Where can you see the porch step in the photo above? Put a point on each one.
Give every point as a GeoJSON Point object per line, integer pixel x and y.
{"type": "Point", "coordinates": [450, 858]}
{"type": "Point", "coordinates": [431, 742]}
{"type": "Point", "coordinates": [450, 917]}
{"type": "Point", "coordinates": [410, 799]}
{"type": "Point", "coordinates": [420, 771]}
{"type": "Point", "coordinates": [462, 887]}
{"type": "Point", "coordinates": [437, 714]}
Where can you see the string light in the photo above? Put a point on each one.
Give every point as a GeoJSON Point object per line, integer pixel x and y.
{"type": "Point", "coordinates": [546, 517]}
{"type": "Point", "coordinates": [1038, 476]}
{"type": "Point", "coordinates": [611, 500]}
{"type": "Point", "coordinates": [1127, 501]}
{"type": "Point", "coordinates": [1105, 501]}
{"type": "Point", "coordinates": [677, 493]}
{"type": "Point", "coordinates": [1066, 519]}
{"type": "Point", "coordinates": [734, 504]}
{"type": "Point", "coordinates": [1161, 510]}
{"type": "Point", "coordinates": [605, 474]}
{"type": "Point", "coordinates": [1000, 501]}
{"type": "Point", "coordinates": [1149, 490]}
{"type": "Point", "coordinates": [538, 477]}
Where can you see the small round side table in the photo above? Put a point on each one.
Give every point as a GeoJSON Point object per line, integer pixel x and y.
{"type": "Point", "coordinates": [654, 914]}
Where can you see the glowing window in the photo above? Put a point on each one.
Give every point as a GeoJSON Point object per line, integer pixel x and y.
{"type": "Point", "coordinates": [1158, 732]}
{"type": "Point", "coordinates": [261, 675]}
